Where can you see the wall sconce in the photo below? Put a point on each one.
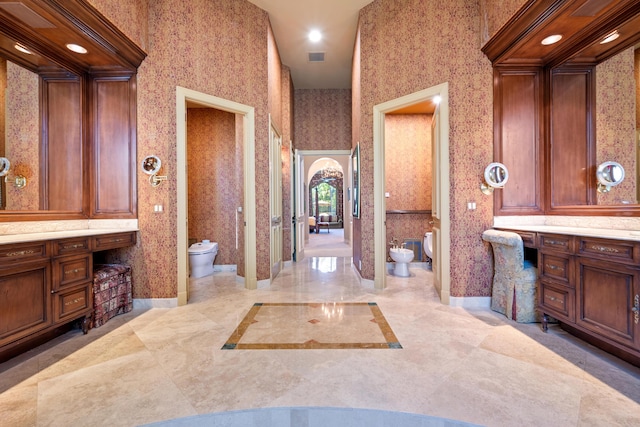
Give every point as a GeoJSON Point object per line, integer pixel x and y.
{"type": "Point", "coordinates": [20, 181]}
{"type": "Point", "coordinates": [609, 174]}
{"type": "Point", "coordinates": [496, 175]}
{"type": "Point", "coordinates": [151, 166]}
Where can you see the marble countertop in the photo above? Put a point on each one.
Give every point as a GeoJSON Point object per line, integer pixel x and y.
{"type": "Point", "coordinates": [51, 235]}
{"type": "Point", "coordinates": [633, 235]}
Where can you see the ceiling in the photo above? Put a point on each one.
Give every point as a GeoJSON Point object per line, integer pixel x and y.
{"type": "Point", "coordinates": [291, 21]}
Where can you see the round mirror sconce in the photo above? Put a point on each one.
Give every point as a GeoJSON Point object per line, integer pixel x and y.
{"type": "Point", "coordinates": [151, 166]}
{"type": "Point", "coordinates": [496, 175]}
{"type": "Point", "coordinates": [5, 165]}
{"type": "Point", "coordinates": [609, 174]}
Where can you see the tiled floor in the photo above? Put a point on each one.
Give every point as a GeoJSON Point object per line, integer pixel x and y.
{"type": "Point", "coordinates": [468, 365]}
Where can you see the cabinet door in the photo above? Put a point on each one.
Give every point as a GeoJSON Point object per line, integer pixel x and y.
{"type": "Point", "coordinates": [25, 301]}
{"type": "Point", "coordinates": [113, 163]}
{"type": "Point", "coordinates": [606, 295]}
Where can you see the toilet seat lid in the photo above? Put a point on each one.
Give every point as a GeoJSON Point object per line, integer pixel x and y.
{"type": "Point", "coordinates": [203, 248]}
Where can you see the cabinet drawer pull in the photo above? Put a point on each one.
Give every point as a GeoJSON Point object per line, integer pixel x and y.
{"type": "Point", "coordinates": [20, 253]}
{"type": "Point", "coordinates": [605, 249]}
{"type": "Point", "coordinates": [76, 270]}
{"type": "Point", "coordinates": [555, 242]}
{"type": "Point", "coordinates": [552, 298]}
{"type": "Point", "coordinates": [74, 246]}
{"type": "Point", "coordinates": [636, 309]}
{"type": "Point", "coordinates": [553, 267]}
{"type": "Point", "coordinates": [74, 301]}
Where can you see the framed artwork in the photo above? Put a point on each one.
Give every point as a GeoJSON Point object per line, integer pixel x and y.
{"type": "Point", "coordinates": [355, 181]}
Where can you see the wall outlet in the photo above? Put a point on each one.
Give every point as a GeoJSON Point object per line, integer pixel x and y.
{"type": "Point", "coordinates": [158, 208]}
{"type": "Point", "coordinates": [471, 206]}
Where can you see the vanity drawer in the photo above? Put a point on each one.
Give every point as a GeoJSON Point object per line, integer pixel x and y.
{"type": "Point", "coordinates": [22, 252]}
{"type": "Point", "coordinates": [556, 242]}
{"type": "Point", "coordinates": [112, 241]}
{"type": "Point", "coordinates": [71, 246]}
{"type": "Point", "coordinates": [559, 301]}
{"type": "Point", "coordinates": [556, 267]}
{"type": "Point", "coordinates": [618, 250]}
{"type": "Point", "coordinates": [72, 270]}
{"type": "Point", "coordinates": [71, 301]}
{"type": "Point", "coordinates": [528, 239]}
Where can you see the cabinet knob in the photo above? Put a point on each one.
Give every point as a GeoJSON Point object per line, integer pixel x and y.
{"type": "Point", "coordinates": [636, 309]}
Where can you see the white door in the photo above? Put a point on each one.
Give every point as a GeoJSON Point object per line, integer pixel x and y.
{"type": "Point", "coordinates": [275, 191]}
{"type": "Point", "coordinates": [436, 203]}
{"type": "Point", "coordinates": [298, 203]}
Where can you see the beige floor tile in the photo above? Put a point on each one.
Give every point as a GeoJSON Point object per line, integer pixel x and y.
{"type": "Point", "coordinates": [471, 365]}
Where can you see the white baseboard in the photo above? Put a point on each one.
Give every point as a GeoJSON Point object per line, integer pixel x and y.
{"type": "Point", "coordinates": [470, 302]}
{"type": "Point", "coordinates": [265, 283]}
{"type": "Point", "coordinates": [147, 303]}
{"type": "Point", "coordinates": [222, 267]}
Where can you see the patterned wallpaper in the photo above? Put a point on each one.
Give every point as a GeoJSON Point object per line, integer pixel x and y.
{"type": "Point", "coordinates": [410, 45]}
{"type": "Point", "coordinates": [225, 57]}
{"type": "Point", "coordinates": [287, 126]}
{"type": "Point", "coordinates": [408, 161]}
{"type": "Point", "coordinates": [408, 175]}
{"type": "Point", "coordinates": [403, 46]}
{"type": "Point", "coordinates": [322, 119]}
{"type": "Point", "coordinates": [616, 123]}
{"type": "Point", "coordinates": [213, 195]}
{"type": "Point", "coordinates": [494, 14]}
{"type": "Point", "coordinates": [22, 137]}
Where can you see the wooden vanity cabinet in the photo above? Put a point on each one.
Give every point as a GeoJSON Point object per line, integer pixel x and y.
{"type": "Point", "coordinates": [555, 267]}
{"type": "Point", "coordinates": [592, 286]}
{"type": "Point", "coordinates": [608, 275]}
{"type": "Point", "coordinates": [47, 284]}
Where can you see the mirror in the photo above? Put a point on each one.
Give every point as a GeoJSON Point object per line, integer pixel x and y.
{"type": "Point", "coordinates": [46, 164]}
{"type": "Point", "coordinates": [609, 174]}
{"type": "Point", "coordinates": [496, 175]}
{"type": "Point", "coordinates": [5, 165]}
{"type": "Point", "coordinates": [151, 165]}
{"type": "Point", "coordinates": [617, 126]}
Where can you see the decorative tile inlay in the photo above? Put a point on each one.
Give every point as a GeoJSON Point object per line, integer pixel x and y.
{"type": "Point", "coordinates": [298, 326]}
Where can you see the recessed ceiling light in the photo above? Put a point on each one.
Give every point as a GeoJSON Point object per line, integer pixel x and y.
{"type": "Point", "coordinates": [551, 39]}
{"type": "Point", "coordinates": [22, 49]}
{"type": "Point", "coordinates": [315, 36]}
{"type": "Point", "coordinates": [76, 48]}
{"type": "Point", "coordinates": [610, 37]}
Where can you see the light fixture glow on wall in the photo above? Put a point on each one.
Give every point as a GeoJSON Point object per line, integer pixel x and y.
{"type": "Point", "coordinates": [76, 48]}
{"type": "Point", "coordinates": [20, 181]}
{"type": "Point", "coordinates": [315, 36]}
{"type": "Point", "coordinates": [555, 38]}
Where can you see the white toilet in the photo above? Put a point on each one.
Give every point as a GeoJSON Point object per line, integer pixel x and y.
{"type": "Point", "coordinates": [201, 256]}
{"type": "Point", "coordinates": [428, 244]}
{"type": "Point", "coordinates": [402, 258]}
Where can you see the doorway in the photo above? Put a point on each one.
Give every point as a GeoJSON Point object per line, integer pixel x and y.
{"type": "Point", "coordinates": [312, 162]}
{"type": "Point", "coordinates": [184, 95]}
{"type": "Point", "coordinates": [440, 200]}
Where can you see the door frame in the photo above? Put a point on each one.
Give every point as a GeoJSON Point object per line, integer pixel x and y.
{"type": "Point", "coordinates": [276, 243]}
{"type": "Point", "coordinates": [442, 161]}
{"type": "Point", "coordinates": [248, 113]}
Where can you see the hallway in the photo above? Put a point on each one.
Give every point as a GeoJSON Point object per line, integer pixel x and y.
{"type": "Point", "coordinates": [467, 365]}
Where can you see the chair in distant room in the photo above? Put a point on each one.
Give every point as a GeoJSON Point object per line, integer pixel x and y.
{"type": "Point", "coordinates": [514, 290]}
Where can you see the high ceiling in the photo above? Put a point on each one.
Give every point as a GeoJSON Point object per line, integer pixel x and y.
{"type": "Point", "coordinates": [292, 20]}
